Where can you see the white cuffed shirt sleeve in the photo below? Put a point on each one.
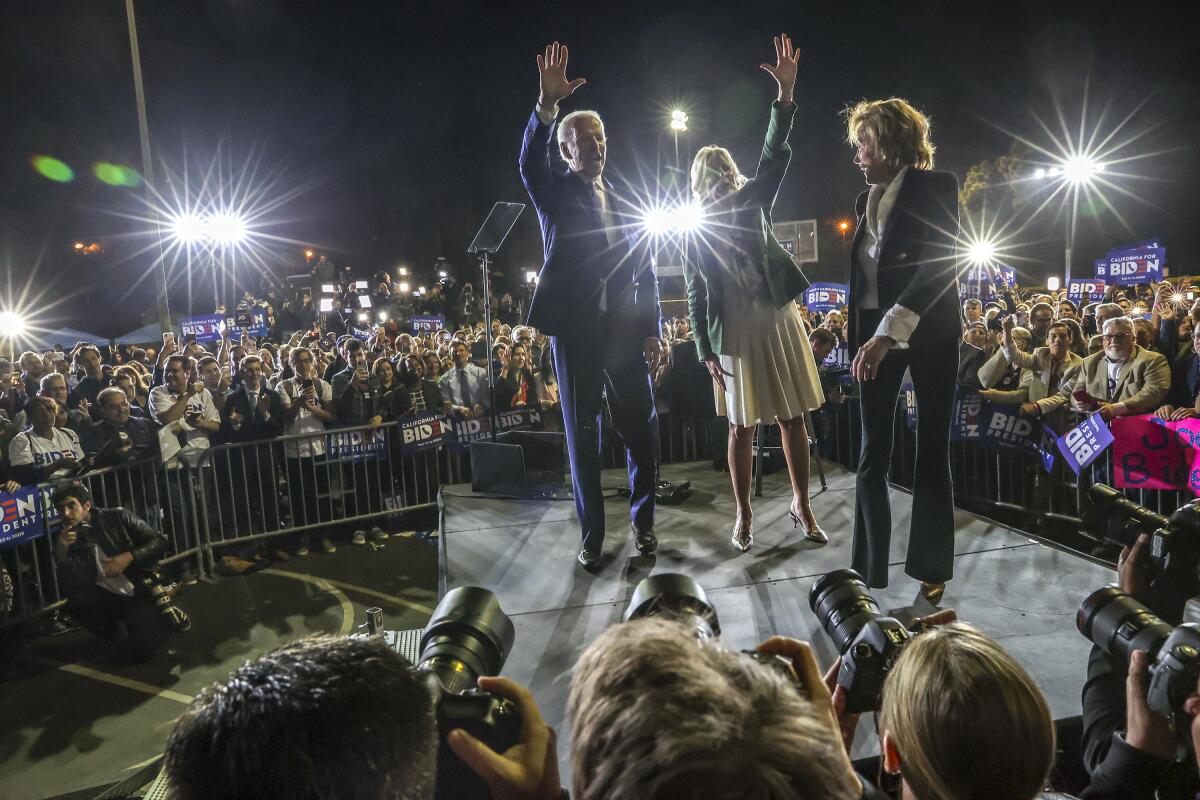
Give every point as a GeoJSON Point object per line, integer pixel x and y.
{"type": "Point", "coordinates": [898, 323]}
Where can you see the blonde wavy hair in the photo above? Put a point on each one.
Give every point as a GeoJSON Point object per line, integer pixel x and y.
{"type": "Point", "coordinates": [967, 719]}
{"type": "Point", "coordinates": [900, 132]}
{"type": "Point", "coordinates": [710, 167]}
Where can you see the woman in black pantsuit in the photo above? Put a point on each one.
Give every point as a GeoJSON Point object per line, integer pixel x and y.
{"type": "Point", "coordinates": [904, 296]}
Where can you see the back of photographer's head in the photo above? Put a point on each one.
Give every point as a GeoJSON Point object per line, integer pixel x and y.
{"type": "Point", "coordinates": [657, 714]}
{"type": "Point", "coordinates": [323, 717]}
{"type": "Point", "coordinates": [961, 718]}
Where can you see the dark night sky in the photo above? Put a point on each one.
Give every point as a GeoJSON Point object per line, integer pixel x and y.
{"type": "Point", "coordinates": [397, 124]}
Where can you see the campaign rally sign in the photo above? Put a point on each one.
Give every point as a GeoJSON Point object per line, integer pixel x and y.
{"type": "Point", "coordinates": [428, 324]}
{"type": "Point", "coordinates": [467, 430]}
{"type": "Point", "coordinates": [824, 297]}
{"type": "Point", "coordinates": [360, 334]}
{"type": "Point", "coordinates": [518, 419]}
{"type": "Point", "coordinates": [22, 516]}
{"type": "Point", "coordinates": [966, 424]}
{"type": "Point", "coordinates": [426, 430]}
{"type": "Point", "coordinates": [206, 328]}
{"type": "Point", "coordinates": [1148, 454]}
{"type": "Point", "coordinates": [1131, 266]}
{"type": "Point", "coordinates": [362, 445]}
{"type": "Point", "coordinates": [1084, 443]}
{"type": "Point", "coordinates": [1004, 428]}
{"type": "Point", "coordinates": [258, 324]}
{"type": "Point", "coordinates": [909, 393]}
{"type": "Point", "coordinates": [1081, 291]}
{"type": "Point", "coordinates": [838, 357]}
{"type": "Point", "coordinates": [982, 281]}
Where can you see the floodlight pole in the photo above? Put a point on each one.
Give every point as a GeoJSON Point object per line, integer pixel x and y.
{"type": "Point", "coordinates": [160, 274]}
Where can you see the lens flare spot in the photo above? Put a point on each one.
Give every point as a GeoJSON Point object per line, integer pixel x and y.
{"type": "Point", "coordinates": [50, 167]}
{"type": "Point", "coordinates": [116, 175]}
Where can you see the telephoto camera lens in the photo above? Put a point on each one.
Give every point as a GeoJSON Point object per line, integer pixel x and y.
{"type": "Point", "coordinates": [1118, 624]}
{"type": "Point", "coordinates": [1117, 518]}
{"type": "Point", "coordinates": [675, 597]}
{"type": "Point", "coordinates": [467, 636]}
{"type": "Point", "coordinates": [843, 605]}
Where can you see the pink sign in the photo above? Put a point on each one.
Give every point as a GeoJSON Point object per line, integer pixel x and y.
{"type": "Point", "coordinates": [1150, 453]}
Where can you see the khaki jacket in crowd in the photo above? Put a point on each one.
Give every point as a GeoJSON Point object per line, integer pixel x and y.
{"type": "Point", "coordinates": [1037, 369]}
{"type": "Point", "coordinates": [1142, 383]}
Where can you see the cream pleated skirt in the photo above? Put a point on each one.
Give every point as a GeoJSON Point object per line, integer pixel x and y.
{"type": "Point", "coordinates": [773, 370]}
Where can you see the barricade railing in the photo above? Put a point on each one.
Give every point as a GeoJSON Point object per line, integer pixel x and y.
{"type": "Point", "coordinates": [239, 493]}
{"type": "Point", "coordinates": [1007, 486]}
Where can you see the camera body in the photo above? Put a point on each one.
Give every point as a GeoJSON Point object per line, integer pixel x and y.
{"type": "Point", "coordinates": [1174, 541]}
{"type": "Point", "coordinates": [1175, 670]}
{"type": "Point", "coordinates": [868, 641]}
{"type": "Point", "coordinates": [1120, 625]}
{"type": "Point", "coordinates": [866, 663]}
{"type": "Point", "coordinates": [490, 718]}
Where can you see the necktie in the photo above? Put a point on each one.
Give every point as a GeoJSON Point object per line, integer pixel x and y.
{"type": "Point", "coordinates": [610, 233]}
{"type": "Point", "coordinates": [463, 389]}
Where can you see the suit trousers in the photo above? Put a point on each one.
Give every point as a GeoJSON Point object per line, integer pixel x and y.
{"type": "Point", "coordinates": [604, 359]}
{"type": "Point", "coordinates": [930, 555]}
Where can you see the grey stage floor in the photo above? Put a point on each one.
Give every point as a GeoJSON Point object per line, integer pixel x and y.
{"type": "Point", "coordinates": [1021, 593]}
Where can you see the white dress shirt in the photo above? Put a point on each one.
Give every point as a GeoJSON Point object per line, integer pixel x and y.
{"type": "Point", "coordinates": [898, 322]}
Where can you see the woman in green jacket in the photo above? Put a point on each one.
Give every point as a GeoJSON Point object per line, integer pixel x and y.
{"type": "Point", "coordinates": [741, 290]}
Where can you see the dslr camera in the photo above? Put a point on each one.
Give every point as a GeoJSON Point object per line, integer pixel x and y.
{"type": "Point", "coordinates": [868, 641]}
{"type": "Point", "coordinates": [1173, 551]}
{"type": "Point", "coordinates": [1119, 625]}
{"type": "Point", "coordinates": [468, 636]}
{"type": "Point", "coordinates": [679, 598]}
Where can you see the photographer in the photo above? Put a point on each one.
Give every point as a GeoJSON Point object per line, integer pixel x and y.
{"type": "Point", "coordinates": [1130, 750]}
{"type": "Point", "coordinates": [335, 718]}
{"type": "Point", "coordinates": [107, 562]}
{"type": "Point", "coordinates": [961, 718]}
{"type": "Point", "coordinates": [655, 713]}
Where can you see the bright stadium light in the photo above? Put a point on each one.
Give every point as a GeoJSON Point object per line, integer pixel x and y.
{"type": "Point", "coordinates": [530, 276]}
{"type": "Point", "coordinates": [679, 120]}
{"type": "Point", "coordinates": [420, 290]}
{"type": "Point", "coordinates": [226, 228]}
{"type": "Point", "coordinates": [12, 325]}
{"type": "Point", "coordinates": [188, 228]}
{"type": "Point", "coordinates": [363, 317]}
{"type": "Point", "coordinates": [402, 271]}
{"type": "Point", "coordinates": [383, 316]}
{"type": "Point", "coordinates": [1080, 169]}
{"type": "Point", "coordinates": [1052, 283]}
{"type": "Point", "coordinates": [674, 220]}
{"type": "Point", "coordinates": [404, 286]}
{"type": "Point", "coordinates": [981, 251]}
{"type": "Point", "coordinates": [326, 305]}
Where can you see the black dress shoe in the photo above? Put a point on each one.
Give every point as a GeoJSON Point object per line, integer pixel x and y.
{"type": "Point", "coordinates": [645, 541]}
{"type": "Point", "coordinates": [587, 559]}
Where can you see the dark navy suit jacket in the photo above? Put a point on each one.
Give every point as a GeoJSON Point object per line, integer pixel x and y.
{"type": "Point", "coordinates": [917, 262]}
{"type": "Point", "coordinates": [578, 257]}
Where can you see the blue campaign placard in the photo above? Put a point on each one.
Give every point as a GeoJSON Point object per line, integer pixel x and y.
{"type": "Point", "coordinates": [1082, 291]}
{"type": "Point", "coordinates": [1132, 266]}
{"type": "Point", "coordinates": [838, 357]}
{"type": "Point", "coordinates": [206, 328]}
{"type": "Point", "coordinates": [22, 516]}
{"type": "Point", "coordinates": [426, 430]}
{"type": "Point", "coordinates": [361, 445]}
{"type": "Point", "coordinates": [1084, 443]}
{"type": "Point", "coordinates": [428, 324]}
{"type": "Point", "coordinates": [258, 327]}
{"type": "Point", "coordinates": [824, 297]}
{"type": "Point", "coordinates": [982, 281]}
{"type": "Point", "coordinates": [966, 424]}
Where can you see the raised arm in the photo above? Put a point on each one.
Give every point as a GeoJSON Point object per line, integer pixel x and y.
{"type": "Point", "coordinates": [776, 152]}
{"type": "Point", "coordinates": [553, 87]}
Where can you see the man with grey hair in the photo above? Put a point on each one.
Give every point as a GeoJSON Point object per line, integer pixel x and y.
{"type": "Point", "coordinates": [1122, 379]}
{"type": "Point", "coordinates": [597, 299]}
{"type": "Point", "coordinates": [655, 713]}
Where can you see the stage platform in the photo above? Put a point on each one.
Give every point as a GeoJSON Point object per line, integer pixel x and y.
{"type": "Point", "coordinates": [1022, 593]}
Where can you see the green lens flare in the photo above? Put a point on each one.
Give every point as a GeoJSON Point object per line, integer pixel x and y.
{"type": "Point", "coordinates": [116, 175]}
{"type": "Point", "coordinates": [52, 168]}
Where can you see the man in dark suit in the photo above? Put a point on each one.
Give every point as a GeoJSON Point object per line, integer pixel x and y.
{"type": "Point", "coordinates": [595, 301]}
{"type": "Point", "coordinates": [904, 290]}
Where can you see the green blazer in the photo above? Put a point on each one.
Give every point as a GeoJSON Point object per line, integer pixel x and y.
{"type": "Point", "coordinates": [745, 216]}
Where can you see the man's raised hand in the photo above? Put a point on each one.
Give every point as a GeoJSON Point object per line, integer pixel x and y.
{"type": "Point", "coordinates": [552, 69]}
{"type": "Point", "coordinates": [784, 71]}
